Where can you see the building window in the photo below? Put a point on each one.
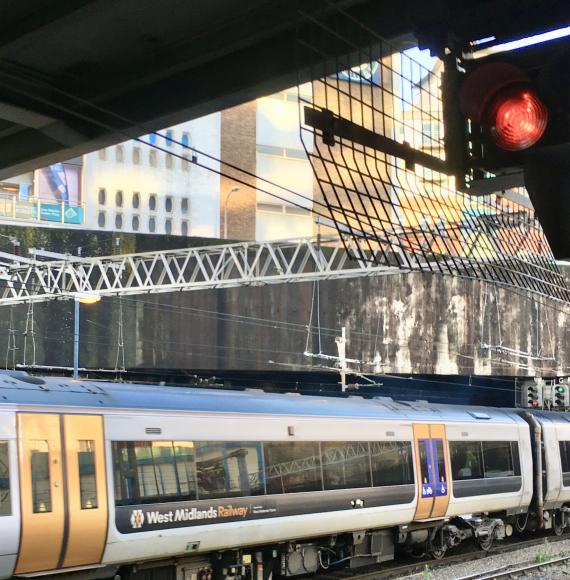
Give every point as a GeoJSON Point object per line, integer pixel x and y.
{"type": "Point", "coordinates": [102, 196]}
{"type": "Point", "coordinates": [151, 225]}
{"type": "Point", "coordinates": [168, 226]}
{"type": "Point", "coordinates": [152, 138]}
{"type": "Point", "coordinates": [168, 161]}
{"type": "Point", "coordinates": [153, 158]}
{"type": "Point", "coordinates": [101, 219]}
{"type": "Point", "coordinates": [184, 205]}
{"type": "Point", "coordinates": [119, 153]}
{"type": "Point", "coordinates": [152, 202]}
{"type": "Point", "coordinates": [136, 223]}
{"type": "Point", "coordinates": [119, 198]}
{"type": "Point", "coordinates": [136, 199]}
{"type": "Point", "coordinates": [184, 228]}
{"type": "Point", "coordinates": [185, 139]}
{"type": "Point", "coordinates": [136, 155]}
{"type": "Point", "coordinates": [119, 221]}
{"type": "Point", "coordinates": [168, 203]}
{"type": "Point", "coordinates": [102, 154]}
{"type": "Point", "coordinates": [168, 138]}
{"type": "Point", "coordinates": [185, 164]}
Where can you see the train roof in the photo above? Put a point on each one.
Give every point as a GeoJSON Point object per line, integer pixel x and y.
{"type": "Point", "coordinates": [18, 389]}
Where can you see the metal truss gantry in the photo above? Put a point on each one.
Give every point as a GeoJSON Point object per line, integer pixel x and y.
{"type": "Point", "coordinates": [36, 279]}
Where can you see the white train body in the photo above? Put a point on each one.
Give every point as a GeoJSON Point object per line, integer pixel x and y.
{"type": "Point", "coordinates": [102, 477]}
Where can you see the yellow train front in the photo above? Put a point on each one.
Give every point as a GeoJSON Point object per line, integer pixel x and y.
{"type": "Point", "coordinates": [113, 478]}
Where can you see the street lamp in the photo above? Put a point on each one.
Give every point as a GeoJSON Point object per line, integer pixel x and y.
{"type": "Point", "coordinates": [232, 190]}
{"type": "Point", "coordinates": [80, 298]}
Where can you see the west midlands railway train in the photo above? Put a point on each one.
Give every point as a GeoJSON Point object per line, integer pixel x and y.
{"type": "Point", "coordinates": [103, 480]}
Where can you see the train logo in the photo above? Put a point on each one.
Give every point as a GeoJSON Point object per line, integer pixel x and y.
{"type": "Point", "coordinates": [137, 519]}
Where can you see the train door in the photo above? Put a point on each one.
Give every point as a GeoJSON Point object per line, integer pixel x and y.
{"type": "Point", "coordinates": [63, 491]}
{"type": "Point", "coordinates": [432, 471]}
{"type": "Point", "coordinates": [9, 505]}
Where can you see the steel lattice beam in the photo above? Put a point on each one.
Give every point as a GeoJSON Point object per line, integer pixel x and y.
{"type": "Point", "coordinates": [224, 266]}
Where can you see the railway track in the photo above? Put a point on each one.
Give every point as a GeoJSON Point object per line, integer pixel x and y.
{"type": "Point", "coordinates": [417, 567]}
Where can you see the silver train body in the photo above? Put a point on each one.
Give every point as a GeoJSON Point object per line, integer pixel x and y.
{"type": "Point", "coordinates": [101, 479]}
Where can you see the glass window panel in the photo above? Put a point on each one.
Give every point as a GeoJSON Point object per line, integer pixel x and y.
{"type": "Point", "coordinates": [391, 463]}
{"type": "Point", "coordinates": [345, 465]}
{"type": "Point", "coordinates": [292, 466]}
{"type": "Point", "coordinates": [136, 200]}
{"type": "Point", "coordinates": [87, 475]}
{"type": "Point", "coordinates": [5, 501]}
{"type": "Point", "coordinates": [184, 228]}
{"type": "Point", "coordinates": [565, 456]}
{"type": "Point", "coordinates": [498, 459]}
{"type": "Point", "coordinates": [516, 458]}
{"type": "Point", "coordinates": [466, 460]}
{"type": "Point", "coordinates": [102, 196]}
{"type": "Point", "coordinates": [440, 461]}
{"type": "Point", "coordinates": [153, 471]}
{"type": "Point", "coordinates": [229, 469]}
{"type": "Point", "coordinates": [41, 489]}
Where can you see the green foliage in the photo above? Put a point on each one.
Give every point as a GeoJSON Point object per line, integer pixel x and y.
{"type": "Point", "coordinates": [543, 554]}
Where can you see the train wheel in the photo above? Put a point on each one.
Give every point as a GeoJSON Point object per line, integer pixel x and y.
{"type": "Point", "coordinates": [436, 547]}
{"type": "Point", "coordinates": [487, 543]}
{"type": "Point", "coordinates": [558, 523]}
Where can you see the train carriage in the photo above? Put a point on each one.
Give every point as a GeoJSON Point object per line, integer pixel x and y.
{"type": "Point", "coordinates": [105, 477]}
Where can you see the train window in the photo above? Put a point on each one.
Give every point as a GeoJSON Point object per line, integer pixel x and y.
{"type": "Point", "coordinates": [5, 502]}
{"type": "Point", "coordinates": [41, 489]}
{"type": "Point", "coordinates": [466, 460]}
{"type": "Point", "coordinates": [152, 471]}
{"type": "Point", "coordinates": [87, 476]}
{"type": "Point", "coordinates": [498, 459]}
{"type": "Point", "coordinates": [229, 469]}
{"type": "Point", "coordinates": [292, 467]}
{"type": "Point", "coordinates": [440, 461]}
{"type": "Point", "coordinates": [565, 456]}
{"type": "Point", "coordinates": [345, 465]}
{"type": "Point", "coordinates": [391, 463]}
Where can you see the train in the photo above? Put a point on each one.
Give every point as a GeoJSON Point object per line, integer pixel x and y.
{"type": "Point", "coordinates": [133, 481]}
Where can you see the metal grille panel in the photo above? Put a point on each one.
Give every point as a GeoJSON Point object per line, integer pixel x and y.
{"type": "Point", "coordinates": [374, 135]}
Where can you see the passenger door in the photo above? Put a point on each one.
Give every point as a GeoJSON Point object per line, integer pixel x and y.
{"type": "Point", "coordinates": [63, 491]}
{"type": "Point", "coordinates": [432, 471]}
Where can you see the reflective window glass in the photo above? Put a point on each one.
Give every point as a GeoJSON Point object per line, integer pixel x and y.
{"type": "Point", "coordinates": [118, 221]}
{"type": "Point", "coordinates": [168, 203]}
{"type": "Point", "coordinates": [391, 463]}
{"type": "Point", "coordinates": [153, 158]}
{"type": "Point", "coordinates": [565, 456]}
{"type": "Point", "coordinates": [102, 196]}
{"type": "Point", "coordinates": [5, 501]}
{"type": "Point", "coordinates": [151, 225]}
{"type": "Point", "coordinates": [101, 219]}
{"type": "Point", "coordinates": [440, 461]}
{"type": "Point", "coordinates": [152, 202]}
{"type": "Point", "coordinates": [41, 489]}
{"type": "Point", "coordinates": [136, 223]}
{"type": "Point", "coordinates": [168, 226]}
{"type": "Point", "coordinates": [136, 200]}
{"type": "Point", "coordinates": [87, 476]}
{"type": "Point", "coordinates": [466, 460]}
{"type": "Point", "coordinates": [184, 205]}
{"type": "Point", "coordinates": [229, 469]}
{"type": "Point", "coordinates": [345, 465]}
{"type": "Point", "coordinates": [184, 228]}
{"type": "Point", "coordinates": [498, 459]}
{"type": "Point", "coordinates": [119, 153]}
{"type": "Point", "coordinates": [119, 199]}
{"type": "Point", "coordinates": [153, 471]}
{"type": "Point", "coordinates": [292, 466]}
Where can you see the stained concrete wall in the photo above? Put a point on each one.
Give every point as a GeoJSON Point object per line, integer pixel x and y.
{"type": "Point", "coordinates": [402, 323]}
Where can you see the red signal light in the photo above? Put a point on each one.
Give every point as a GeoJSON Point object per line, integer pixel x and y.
{"type": "Point", "coordinates": [517, 118]}
{"type": "Point", "coordinates": [534, 404]}
{"type": "Point", "coordinates": [499, 97]}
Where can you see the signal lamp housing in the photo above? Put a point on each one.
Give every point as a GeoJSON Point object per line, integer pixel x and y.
{"type": "Point", "coordinates": [499, 97]}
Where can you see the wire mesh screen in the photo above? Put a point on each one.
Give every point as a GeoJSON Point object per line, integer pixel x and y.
{"type": "Point", "coordinates": [374, 135]}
